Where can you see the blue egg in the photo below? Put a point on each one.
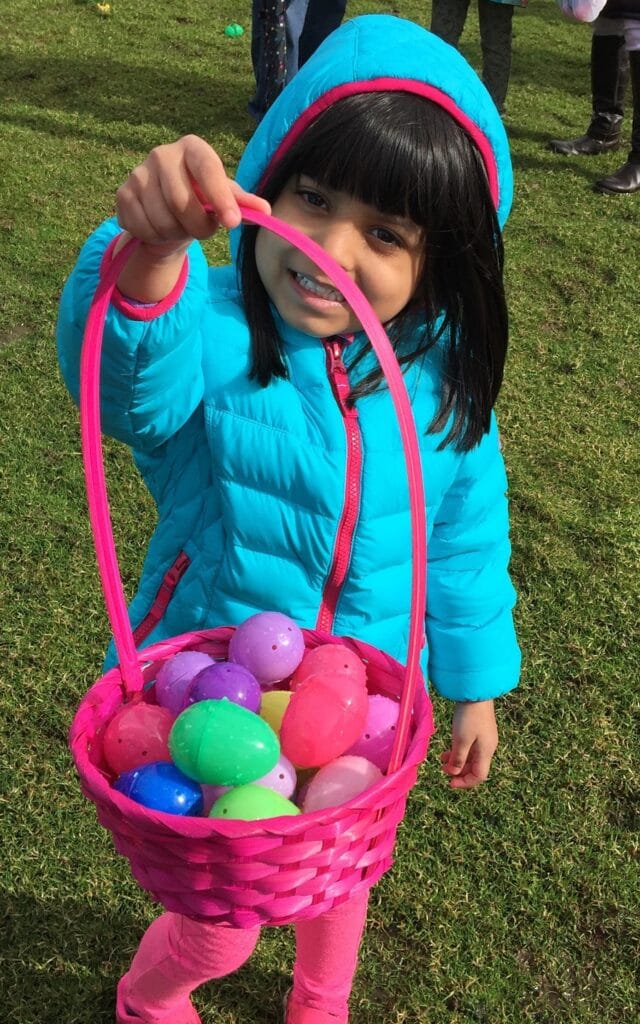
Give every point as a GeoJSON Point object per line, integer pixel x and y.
{"type": "Point", "coordinates": [162, 787]}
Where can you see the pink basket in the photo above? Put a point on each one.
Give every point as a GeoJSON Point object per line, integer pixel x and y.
{"type": "Point", "coordinates": [280, 870]}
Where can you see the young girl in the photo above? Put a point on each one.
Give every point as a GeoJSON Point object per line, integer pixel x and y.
{"type": "Point", "coordinates": [259, 421]}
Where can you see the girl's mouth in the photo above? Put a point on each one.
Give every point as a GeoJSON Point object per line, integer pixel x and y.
{"type": "Point", "coordinates": [311, 287]}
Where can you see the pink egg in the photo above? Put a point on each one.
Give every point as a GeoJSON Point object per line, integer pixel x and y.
{"type": "Point", "coordinates": [138, 734]}
{"type": "Point", "coordinates": [282, 778]}
{"type": "Point", "coordinates": [376, 740]}
{"type": "Point", "coordinates": [209, 796]}
{"type": "Point", "coordinates": [269, 644]}
{"type": "Point", "coordinates": [329, 658]}
{"type": "Point", "coordinates": [175, 677]}
{"type": "Point", "coordinates": [324, 717]}
{"type": "Point", "coordinates": [339, 781]}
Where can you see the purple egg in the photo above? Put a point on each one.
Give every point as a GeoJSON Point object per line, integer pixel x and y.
{"type": "Point", "coordinates": [175, 677]}
{"type": "Point", "coordinates": [376, 740]}
{"type": "Point", "coordinates": [226, 681]}
{"type": "Point", "coordinates": [282, 778]}
{"type": "Point", "coordinates": [269, 644]}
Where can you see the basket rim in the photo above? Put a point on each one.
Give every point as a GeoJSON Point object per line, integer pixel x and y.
{"type": "Point", "coordinates": [194, 827]}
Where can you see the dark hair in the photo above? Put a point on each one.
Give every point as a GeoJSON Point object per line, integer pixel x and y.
{"type": "Point", "coordinates": [412, 159]}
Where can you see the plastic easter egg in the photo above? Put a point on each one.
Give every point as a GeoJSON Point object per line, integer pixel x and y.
{"type": "Point", "coordinates": [137, 735]}
{"type": "Point", "coordinates": [210, 794]}
{"type": "Point", "coordinates": [274, 705]}
{"type": "Point", "coordinates": [269, 644]}
{"type": "Point", "coordinates": [162, 787]}
{"type": "Point", "coordinates": [376, 739]}
{"type": "Point", "coordinates": [223, 744]}
{"type": "Point", "coordinates": [339, 781]}
{"type": "Point", "coordinates": [325, 716]}
{"type": "Point", "coordinates": [328, 658]}
{"type": "Point", "coordinates": [175, 677]}
{"type": "Point", "coordinates": [225, 680]}
{"type": "Point", "coordinates": [252, 803]}
{"type": "Point", "coordinates": [281, 779]}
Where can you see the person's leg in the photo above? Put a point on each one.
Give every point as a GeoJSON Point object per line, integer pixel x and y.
{"type": "Point", "coordinates": [326, 961]}
{"type": "Point", "coordinates": [323, 16]}
{"type": "Point", "coordinates": [609, 77]}
{"type": "Point", "coordinates": [627, 178]}
{"type": "Point", "coordinates": [176, 955]}
{"type": "Point", "coordinates": [448, 18]}
{"type": "Point", "coordinates": [496, 32]}
{"type": "Point", "coordinates": [295, 18]}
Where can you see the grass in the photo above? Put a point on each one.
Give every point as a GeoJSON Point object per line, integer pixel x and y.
{"type": "Point", "coordinates": [515, 904]}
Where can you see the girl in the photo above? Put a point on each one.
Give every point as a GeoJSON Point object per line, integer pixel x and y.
{"type": "Point", "coordinates": [255, 410]}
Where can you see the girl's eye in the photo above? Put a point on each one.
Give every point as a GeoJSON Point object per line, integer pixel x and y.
{"type": "Point", "coordinates": [387, 237]}
{"type": "Point", "coordinates": [312, 198]}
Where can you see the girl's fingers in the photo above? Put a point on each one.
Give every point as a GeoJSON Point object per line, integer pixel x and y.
{"type": "Point", "coordinates": [454, 760]}
{"type": "Point", "coordinates": [250, 199]}
{"type": "Point", "coordinates": [180, 192]}
{"type": "Point", "coordinates": [473, 770]}
{"type": "Point", "coordinates": [209, 181]}
{"type": "Point", "coordinates": [143, 211]}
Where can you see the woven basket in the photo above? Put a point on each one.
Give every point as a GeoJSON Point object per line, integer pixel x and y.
{"type": "Point", "coordinates": [280, 870]}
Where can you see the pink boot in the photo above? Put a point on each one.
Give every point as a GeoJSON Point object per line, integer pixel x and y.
{"type": "Point", "coordinates": [187, 1015]}
{"type": "Point", "coordinates": [298, 1013]}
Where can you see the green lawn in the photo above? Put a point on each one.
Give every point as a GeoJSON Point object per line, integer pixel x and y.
{"type": "Point", "coordinates": [516, 903]}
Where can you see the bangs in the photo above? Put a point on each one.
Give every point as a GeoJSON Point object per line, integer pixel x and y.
{"type": "Point", "coordinates": [376, 148]}
{"type": "Point", "coordinates": [395, 151]}
{"type": "Point", "coordinates": [371, 159]}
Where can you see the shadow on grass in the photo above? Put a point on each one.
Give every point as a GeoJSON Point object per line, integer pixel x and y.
{"type": "Point", "coordinates": [106, 91]}
{"type": "Point", "coordinates": [61, 963]}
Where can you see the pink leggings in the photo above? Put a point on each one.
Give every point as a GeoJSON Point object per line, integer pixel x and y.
{"type": "Point", "coordinates": [177, 954]}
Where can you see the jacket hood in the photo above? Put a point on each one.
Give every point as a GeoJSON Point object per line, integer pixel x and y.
{"type": "Point", "coordinates": [377, 53]}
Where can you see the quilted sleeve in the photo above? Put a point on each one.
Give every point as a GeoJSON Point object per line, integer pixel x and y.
{"type": "Point", "coordinates": [151, 373]}
{"type": "Point", "coordinates": [473, 652]}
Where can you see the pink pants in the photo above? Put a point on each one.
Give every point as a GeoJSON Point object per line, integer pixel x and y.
{"type": "Point", "coordinates": [177, 954]}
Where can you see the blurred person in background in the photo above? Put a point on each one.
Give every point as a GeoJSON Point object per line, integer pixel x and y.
{"type": "Point", "coordinates": [615, 56]}
{"type": "Point", "coordinates": [496, 35]}
{"type": "Point", "coordinates": [284, 34]}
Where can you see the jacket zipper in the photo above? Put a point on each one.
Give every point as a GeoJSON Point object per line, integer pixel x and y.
{"type": "Point", "coordinates": [351, 504]}
{"type": "Point", "coordinates": [169, 583]}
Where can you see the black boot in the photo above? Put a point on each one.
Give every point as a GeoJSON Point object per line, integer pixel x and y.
{"type": "Point", "coordinates": [609, 77]}
{"type": "Point", "coordinates": [627, 178]}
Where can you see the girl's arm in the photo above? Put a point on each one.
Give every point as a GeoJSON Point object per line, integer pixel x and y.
{"type": "Point", "coordinates": [151, 377]}
{"type": "Point", "coordinates": [473, 652]}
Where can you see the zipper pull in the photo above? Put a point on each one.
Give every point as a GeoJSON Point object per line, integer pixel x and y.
{"type": "Point", "coordinates": [338, 375]}
{"type": "Point", "coordinates": [334, 352]}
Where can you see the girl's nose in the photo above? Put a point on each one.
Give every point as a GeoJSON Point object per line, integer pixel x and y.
{"type": "Point", "coordinates": [339, 240]}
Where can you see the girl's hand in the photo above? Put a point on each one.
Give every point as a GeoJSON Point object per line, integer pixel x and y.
{"type": "Point", "coordinates": [474, 739]}
{"type": "Point", "coordinates": [162, 200]}
{"type": "Point", "coordinates": [162, 203]}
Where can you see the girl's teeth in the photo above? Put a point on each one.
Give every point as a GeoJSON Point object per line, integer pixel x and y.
{"type": "Point", "coordinates": [322, 290]}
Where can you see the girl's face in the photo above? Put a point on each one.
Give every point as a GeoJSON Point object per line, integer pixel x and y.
{"type": "Point", "coordinates": [381, 252]}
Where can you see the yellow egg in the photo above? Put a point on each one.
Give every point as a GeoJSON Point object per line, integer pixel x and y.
{"type": "Point", "coordinates": [274, 704]}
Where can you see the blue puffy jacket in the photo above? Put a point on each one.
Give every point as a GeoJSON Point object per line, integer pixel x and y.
{"type": "Point", "coordinates": [251, 483]}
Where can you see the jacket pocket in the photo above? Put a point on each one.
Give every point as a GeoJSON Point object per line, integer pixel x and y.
{"type": "Point", "coordinates": [161, 601]}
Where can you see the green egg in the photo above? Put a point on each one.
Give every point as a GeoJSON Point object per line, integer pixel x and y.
{"type": "Point", "coordinates": [252, 803]}
{"type": "Point", "coordinates": [222, 744]}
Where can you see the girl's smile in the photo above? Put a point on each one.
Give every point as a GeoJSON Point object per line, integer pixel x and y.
{"type": "Point", "coordinates": [383, 253]}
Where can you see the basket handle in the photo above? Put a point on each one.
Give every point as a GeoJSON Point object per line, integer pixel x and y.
{"type": "Point", "coordinates": [116, 605]}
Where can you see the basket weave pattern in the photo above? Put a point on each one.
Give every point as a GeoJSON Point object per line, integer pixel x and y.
{"type": "Point", "coordinates": [245, 873]}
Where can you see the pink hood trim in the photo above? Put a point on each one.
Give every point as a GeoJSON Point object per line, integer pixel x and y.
{"type": "Point", "coordinates": [392, 85]}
